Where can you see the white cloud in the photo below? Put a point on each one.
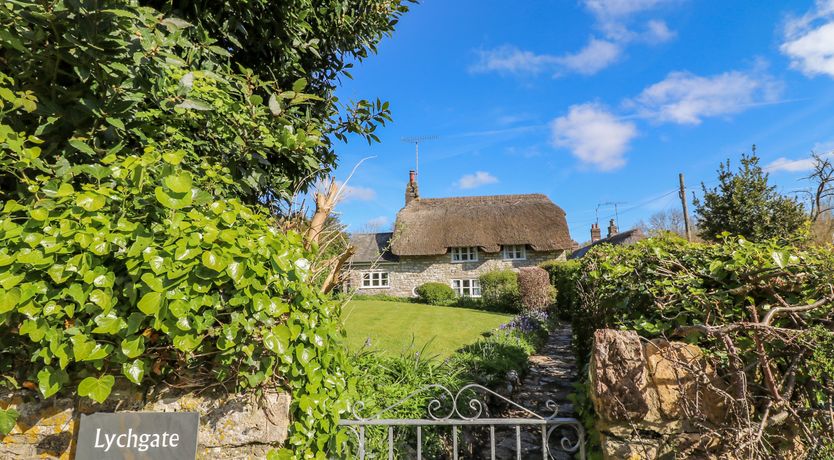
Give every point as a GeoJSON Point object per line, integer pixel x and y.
{"type": "Point", "coordinates": [809, 40]}
{"type": "Point", "coordinates": [509, 59]}
{"type": "Point", "coordinates": [597, 55]}
{"type": "Point", "coordinates": [350, 192]}
{"type": "Point", "coordinates": [686, 98]}
{"type": "Point", "coordinates": [605, 9]}
{"type": "Point", "coordinates": [594, 136]}
{"type": "Point", "coordinates": [657, 32]}
{"type": "Point", "coordinates": [784, 164]}
{"type": "Point", "coordinates": [614, 18]}
{"type": "Point", "coordinates": [477, 179]}
{"type": "Point", "coordinates": [812, 52]}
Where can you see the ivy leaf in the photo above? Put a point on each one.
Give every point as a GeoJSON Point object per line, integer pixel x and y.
{"type": "Point", "coordinates": [149, 303]}
{"type": "Point", "coordinates": [134, 371]}
{"type": "Point", "coordinates": [90, 201]}
{"type": "Point", "coordinates": [133, 347]}
{"type": "Point", "coordinates": [97, 389]}
{"type": "Point", "coordinates": [170, 201]}
{"type": "Point", "coordinates": [102, 299]}
{"type": "Point", "coordinates": [236, 271]}
{"type": "Point", "coordinates": [109, 323]}
{"type": "Point", "coordinates": [213, 261]}
{"type": "Point", "coordinates": [781, 258]}
{"type": "Point", "coordinates": [187, 342]}
{"type": "Point", "coordinates": [50, 381]}
{"type": "Point", "coordinates": [9, 299]}
{"type": "Point", "coordinates": [8, 420]}
{"type": "Point", "coordinates": [179, 308]}
{"type": "Point", "coordinates": [179, 183]}
{"type": "Point", "coordinates": [153, 282]}
{"type": "Point", "coordinates": [276, 342]}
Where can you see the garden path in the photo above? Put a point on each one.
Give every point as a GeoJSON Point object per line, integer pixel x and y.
{"type": "Point", "coordinates": [551, 377]}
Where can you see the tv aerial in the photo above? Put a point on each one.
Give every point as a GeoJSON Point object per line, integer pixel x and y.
{"type": "Point", "coordinates": [416, 140]}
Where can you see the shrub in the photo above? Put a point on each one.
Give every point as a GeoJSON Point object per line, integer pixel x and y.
{"type": "Point", "coordinates": [727, 298]}
{"type": "Point", "coordinates": [535, 291]}
{"type": "Point", "coordinates": [434, 293]}
{"type": "Point", "coordinates": [133, 268]}
{"type": "Point", "coordinates": [564, 275]}
{"type": "Point", "coordinates": [499, 289]}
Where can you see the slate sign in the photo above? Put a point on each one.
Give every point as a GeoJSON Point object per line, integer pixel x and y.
{"type": "Point", "coordinates": [138, 436]}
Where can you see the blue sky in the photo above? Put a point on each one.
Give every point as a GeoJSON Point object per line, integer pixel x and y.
{"type": "Point", "coordinates": [590, 101]}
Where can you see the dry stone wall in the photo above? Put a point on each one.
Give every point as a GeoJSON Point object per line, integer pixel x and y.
{"type": "Point", "coordinates": [413, 271]}
{"type": "Point", "coordinates": [654, 399]}
{"type": "Point", "coordinates": [231, 426]}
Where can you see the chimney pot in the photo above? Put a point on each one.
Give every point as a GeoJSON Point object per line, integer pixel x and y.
{"type": "Point", "coordinates": [612, 228]}
{"type": "Point", "coordinates": [412, 192]}
{"type": "Point", "coordinates": [595, 233]}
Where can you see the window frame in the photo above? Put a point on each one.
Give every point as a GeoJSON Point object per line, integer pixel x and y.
{"type": "Point", "coordinates": [505, 249]}
{"type": "Point", "coordinates": [474, 287]}
{"type": "Point", "coordinates": [457, 252]}
{"type": "Point", "coordinates": [379, 275]}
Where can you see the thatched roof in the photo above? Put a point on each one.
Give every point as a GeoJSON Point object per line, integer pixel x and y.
{"type": "Point", "coordinates": [429, 226]}
{"type": "Point", "coordinates": [372, 247]}
{"type": "Point", "coordinates": [628, 237]}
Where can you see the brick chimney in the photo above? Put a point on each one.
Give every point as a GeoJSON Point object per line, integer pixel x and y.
{"type": "Point", "coordinates": [595, 233]}
{"type": "Point", "coordinates": [412, 192]}
{"type": "Point", "coordinates": [612, 228]}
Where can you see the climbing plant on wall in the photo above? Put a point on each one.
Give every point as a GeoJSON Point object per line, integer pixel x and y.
{"type": "Point", "coordinates": [137, 151]}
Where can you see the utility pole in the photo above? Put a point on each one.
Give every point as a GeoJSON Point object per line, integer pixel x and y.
{"type": "Point", "coordinates": [682, 194]}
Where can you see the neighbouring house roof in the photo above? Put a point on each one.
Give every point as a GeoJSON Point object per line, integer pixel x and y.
{"type": "Point", "coordinates": [628, 237]}
{"type": "Point", "coordinates": [372, 247]}
{"type": "Point", "coordinates": [429, 226]}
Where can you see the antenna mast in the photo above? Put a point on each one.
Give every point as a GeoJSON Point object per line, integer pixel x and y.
{"type": "Point", "coordinates": [616, 212]}
{"type": "Point", "coordinates": [416, 141]}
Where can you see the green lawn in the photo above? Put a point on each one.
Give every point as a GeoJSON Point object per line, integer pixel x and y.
{"type": "Point", "coordinates": [392, 325]}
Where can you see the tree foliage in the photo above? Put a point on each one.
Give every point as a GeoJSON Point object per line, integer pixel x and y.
{"type": "Point", "coordinates": [745, 204]}
{"type": "Point", "coordinates": [246, 85]}
{"type": "Point", "coordinates": [137, 146]}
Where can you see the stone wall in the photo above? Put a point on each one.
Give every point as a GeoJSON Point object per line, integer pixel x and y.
{"type": "Point", "coordinates": [654, 399]}
{"type": "Point", "coordinates": [412, 271]}
{"type": "Point", "coordinates": [231, 426]}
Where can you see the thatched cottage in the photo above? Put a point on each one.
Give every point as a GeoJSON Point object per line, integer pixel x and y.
{"type": "Point", "coordinates": [455, 240]}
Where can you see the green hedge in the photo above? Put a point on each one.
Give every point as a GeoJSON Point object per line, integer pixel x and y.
{"type": "Point", "coordinates": [435, 293]}
{"type": "Point", "coordinates": [563, 276]}
{"type": "Point", "coordinates": [668, 288]}
{"type": "Point", "coordinates": [499, 290]}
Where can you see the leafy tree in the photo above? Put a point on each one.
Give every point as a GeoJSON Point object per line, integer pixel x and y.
{"type": "Point", "coordinates": [137, 148]}
{"type": "Point", "coordinates": [246, 85]}
{"type": "Point", "coordinates": [745, 204]}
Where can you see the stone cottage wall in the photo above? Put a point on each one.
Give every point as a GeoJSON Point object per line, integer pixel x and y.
{"type": "Point", "coordinates": [231, 426]}
{"type": "Point", "coordinates": [411, 272]}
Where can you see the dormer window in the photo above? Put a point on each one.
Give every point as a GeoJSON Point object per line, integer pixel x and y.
{"type": "Point", "coordinates": [515, 252]}
{"type": "Point", "coordinates": [464, 254]}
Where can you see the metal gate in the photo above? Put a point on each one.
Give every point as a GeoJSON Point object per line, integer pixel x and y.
{"type": "Point", "coordinates": [466, 409]}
